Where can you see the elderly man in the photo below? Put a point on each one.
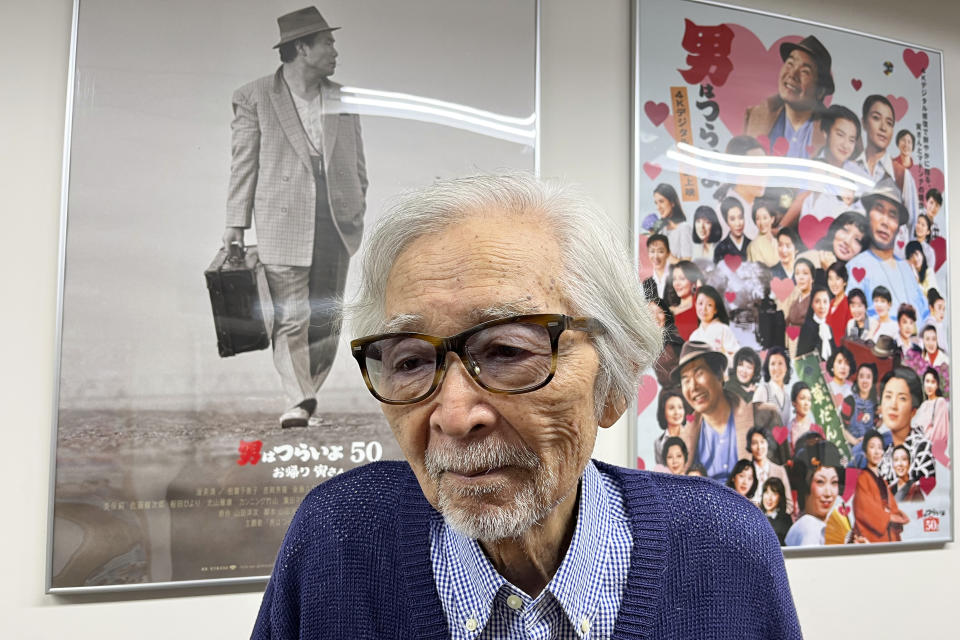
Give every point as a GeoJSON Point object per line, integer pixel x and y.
{"type": "Point", "coordinates": [508, 325]}
{"type": "Point", "coordinates": [802, 84]}
{"type": "Point", "coordinates": [717, 437]}
{"type": "Point", "coordinates": [298, 169]}
{"type": "Point", "coordinates": [878, 266]}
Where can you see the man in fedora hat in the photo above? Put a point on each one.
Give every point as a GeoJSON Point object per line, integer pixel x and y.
{"type": "Point", "coordinates": [717, 437]}
{"type": "Point", "coordinates": [802, 84]}
{"type": "Point", "coordinates": [879, 119]}
{"type": "Point", "coordinates": [878, 265]}
{"type": "Point", "coordinates": [298, 170]}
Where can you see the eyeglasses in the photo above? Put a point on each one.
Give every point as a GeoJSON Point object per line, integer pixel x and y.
{"type": "Point", "coordinates": [511, 355]}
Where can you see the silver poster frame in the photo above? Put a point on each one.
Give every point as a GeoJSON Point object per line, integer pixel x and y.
{"type": "Point", "coordinates": [204, 585]}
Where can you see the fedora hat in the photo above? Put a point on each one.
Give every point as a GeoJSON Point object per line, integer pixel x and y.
{"type": "Point", "coordinates": [820, 55]}
{"type": "Point", "coordinates": [885, 347]}
{"type": "Point", "coordinates": [888, 190]}
{"type": "Point", "coordinates": [301, 23]}
{"type": "Point", "coordinates": [695, 349]}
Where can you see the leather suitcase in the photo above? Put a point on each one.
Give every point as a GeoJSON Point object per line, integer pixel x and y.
{"type": "Point", "coordinates": [240, 298]}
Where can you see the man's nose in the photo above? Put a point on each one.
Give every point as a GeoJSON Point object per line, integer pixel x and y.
{"type": "Point", "coordinates": [461, 404]}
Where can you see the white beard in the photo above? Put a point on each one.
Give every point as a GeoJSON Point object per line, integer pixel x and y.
{"type": "Point", "coordinates": [463, 508]}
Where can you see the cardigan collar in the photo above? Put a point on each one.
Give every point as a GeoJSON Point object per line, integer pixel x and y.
{"type": "Point", "coordinates": [641, 598]}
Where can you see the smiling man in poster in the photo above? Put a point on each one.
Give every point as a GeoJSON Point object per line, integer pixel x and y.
{"type": "Point", "coordinates": [504, 326]}
{"type": "Point", "coordinates": [802, 84]}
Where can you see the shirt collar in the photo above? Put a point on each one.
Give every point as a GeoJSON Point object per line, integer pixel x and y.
{"type": "Point", "coordinates": [575, 585]}
{"type": "Point", "coordinates": [884, 163]}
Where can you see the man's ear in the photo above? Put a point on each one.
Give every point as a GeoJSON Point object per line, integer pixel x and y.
{"type": "Point", "coordinates": [613, 408]}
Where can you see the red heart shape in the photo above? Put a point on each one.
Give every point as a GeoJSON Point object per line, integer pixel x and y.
{"type": "Point", "coordinates": [656, 111]}
{"type": "Point", "coordinates": [939, 245]}
{"type": "Point", "coordinates": [850, 483]}
{"type": "Point", "coordinates": [900, 244]}
{"type": "Point", "coordinates": [781, 287]}
{"type": "Point", "coordinates": [857, 83]}
{"type": "Point", "coordinates": [936, 177]}
{"type": "Point", "coordinates": [780, 434]}
{"type": "Point", "coordinates": [916, 61]}
{"type": "Point", "coordinates": [780, 147]}
{"type": "Point", "coordinates": [844, 510]}
{"type": "Point", "coordinates": [651, 169]}
{"type": "Point", "coordinates": [900, 105]}
{"type": "Point", "coordinates": [919, 513]}
{"type": "Point", "coordinates": [733, 261]}
{"type": "Point", "coordinates": [646, 267]}
{"type": "Point", "coordinates": [765, 142]}
{"type": "Point", "coordinates": [646, 392]}
{"type": "Point", "coordinates": [859, 273]}
{"type": "Point", "coordinates": [640, 463]}
{"type": "Point", "coordinates": [846, 410]}
{"type": "Point", "coordinates": [927, 484]}
{"type": "Point", "coordinates": [793, 331]}
{"type": "Point", "coordinates": [812, 230]}
{"type": "Point", "coordinates": [690, 417]}
{"type": "Point", "coordinates": [730, 296]}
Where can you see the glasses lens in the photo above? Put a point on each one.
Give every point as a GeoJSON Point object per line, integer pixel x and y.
{"type": "Point", "coordinates": [511, 356]}
{"type": "Point", "coordinates": [401, 368]}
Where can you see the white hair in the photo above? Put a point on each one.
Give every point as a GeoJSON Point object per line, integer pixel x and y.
{"type": "Point", "coordinates": [598, 279]}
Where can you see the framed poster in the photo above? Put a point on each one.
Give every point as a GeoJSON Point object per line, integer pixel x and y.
{"type": "Point", "coordinates": [790, 224]}
{"type": "Point", "coordinates": [275, 126]}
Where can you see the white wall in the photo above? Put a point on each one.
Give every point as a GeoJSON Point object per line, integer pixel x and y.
{"type": "Point", "coordinates": [586, 138]}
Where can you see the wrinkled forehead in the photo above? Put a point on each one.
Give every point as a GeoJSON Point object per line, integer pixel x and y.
{"type": "Point", "coordinates": [482, 267]}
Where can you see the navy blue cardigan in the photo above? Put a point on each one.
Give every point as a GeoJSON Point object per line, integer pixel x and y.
{"type": "Point", "coordinates": [355, 563]}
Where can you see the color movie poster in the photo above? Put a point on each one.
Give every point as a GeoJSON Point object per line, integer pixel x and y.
{"type": "Point", "coordinates": [172, 464]}
{"type": "Point", "coordinates": [791, 231]}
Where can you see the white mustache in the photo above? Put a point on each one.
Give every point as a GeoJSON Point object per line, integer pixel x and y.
{"type": "Point", "coordinates": [478, 456]}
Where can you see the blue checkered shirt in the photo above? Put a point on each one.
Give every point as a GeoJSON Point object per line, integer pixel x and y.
{"type": "Point", "coordinates": [580, 602]}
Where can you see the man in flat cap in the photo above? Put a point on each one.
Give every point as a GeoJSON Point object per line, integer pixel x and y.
{"type": "Point", "coordinates": [298, 170]}
{"type": "Point", "coordinates": [717, 436]}
{"type": "Point", "coordinates": [503, 326]}
{"type": "Point", "coordinates": [878, 265]}
{"type": "Point", "coordinates": [879, 120]}
{"type": "Point", "coordinates": [802, 84]}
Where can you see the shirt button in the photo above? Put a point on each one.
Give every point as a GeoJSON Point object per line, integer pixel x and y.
{"type": "Point", "coordinates": [471, 624]}
{"type": "Point", "coordinates": [584, 625]}
{"type": "Point", "coordinates": [514, 602]}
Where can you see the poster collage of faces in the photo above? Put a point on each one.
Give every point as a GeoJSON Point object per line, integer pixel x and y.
{"type": "Point", "coordinates": [791, 240]}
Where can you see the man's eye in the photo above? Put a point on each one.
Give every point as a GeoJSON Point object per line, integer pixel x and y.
{"type": "Point", "coordinates": [502, 351]}
{"type": "Point", "coordinates": [408, 364]}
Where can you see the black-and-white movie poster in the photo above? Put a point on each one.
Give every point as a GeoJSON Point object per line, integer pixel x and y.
{"type": "Point", "coordinates": [192, 416]}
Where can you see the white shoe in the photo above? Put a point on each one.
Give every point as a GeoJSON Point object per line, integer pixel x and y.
{"type": "Point", "coordinates": [295, 417]}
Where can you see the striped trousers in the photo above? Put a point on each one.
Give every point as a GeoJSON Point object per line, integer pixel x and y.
{"type": "Point", "coordinates": [306, 305]}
